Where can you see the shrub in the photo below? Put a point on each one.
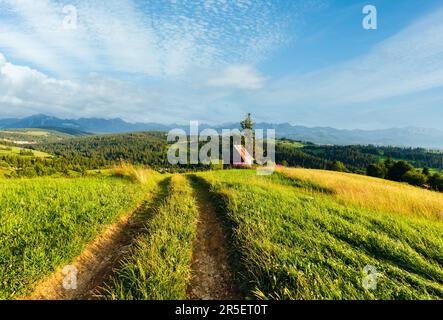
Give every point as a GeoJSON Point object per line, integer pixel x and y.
{"type": "Point", "coordinates": [339, 166]}
{"type": "Point", "coordinates": [436, 182]}
{"type": "Point", "coordinates": [398, 170]}
{"type": "Point", "coordinates": [376, 170]}
{"type": "Point", "coordinates": [415, 178]}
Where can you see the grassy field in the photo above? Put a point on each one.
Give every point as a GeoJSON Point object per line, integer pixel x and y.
{"type": "Point", "coordinates": [16, 151]}
{"type": "Point", "coordinates": [4, 172]}
{"type": "Point", "coordinates": [373, 193]}
{"type": "Point", "coordinates": [160, 266]}
{"type": "Point", "coordinates": [296, 234]}
{"type": "Point", "coordinates": [24, 132]}
{"type": "Point", "coordinates": [45, 223]}
{"type": "Point", "coordinates": [288, 143]}
{"type": "Point", "coordinates": [299, 237]}
{"type": "Point", "coordinates": [39, 135]}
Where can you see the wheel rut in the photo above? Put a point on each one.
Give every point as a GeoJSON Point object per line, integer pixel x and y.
{"type": "Point", "coordinates": [212, 276]}
{"type": "Point", "coordinates": [100, 258]}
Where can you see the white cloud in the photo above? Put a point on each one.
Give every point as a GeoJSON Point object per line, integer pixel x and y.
{"type": "Point", "coordinates": [22, 87]}
{"type": "Point", "coordinates": [147, 57]}
{"type": "Point", "coordinates": [25, 91]}
{"type": "Point", "coordinates": [158, 39]}
{"type": "Point", "coordinates": [238, 76]}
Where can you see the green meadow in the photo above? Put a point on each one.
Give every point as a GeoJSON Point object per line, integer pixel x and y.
{"type": "Point", "coordinates": [17, 151]}
{"type": "Point", "coordinates": [159, 267]}
{"type": "Point", "coordinates": [297, 241]}
{"type": "Point", "coordinates": [46, 222]}
{"type": "Point", "coordinates": [295, 234]}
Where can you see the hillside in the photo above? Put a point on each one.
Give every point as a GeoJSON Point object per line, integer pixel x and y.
{"type": "Point", "coordinates": [373, 193]}
{"type": "Point", "coordinates": [21, 152]}
{"type": "Point", "coordinates": [32, 135]}
{"type": "Point", "coordinates": [406, 137]}
{"type": "Point", "coordinates": [46, 222]}
{"type": "Point", "coordinates": [219, 234]}
{"type": "Point", "coordinates": [147, 148]}
{"type": "Point", "coordinates": [299, 238]}
{"type": "Point", "coordinates": [297, 234]}
{"type": "Point", "coordinates": [92, 152]}
{"type": "Point", "coordinates": [355, 157]}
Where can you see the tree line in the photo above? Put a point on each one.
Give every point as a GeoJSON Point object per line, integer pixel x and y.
{"type": "Point", "coordinates": [403, 171]}
{"type": "Point", "coordinates": [77, 155]}
{"type": "Point", "coordinates": [368, 160]}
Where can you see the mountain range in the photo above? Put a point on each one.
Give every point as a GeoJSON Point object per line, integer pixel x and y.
{"type": "Point", "coordinates": [408, 136]}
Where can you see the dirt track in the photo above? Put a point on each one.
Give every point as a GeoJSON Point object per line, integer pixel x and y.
{"type": "Point", "coordinates": [212, 277]}
{"type": "Point", "coordinates": [99, 259]}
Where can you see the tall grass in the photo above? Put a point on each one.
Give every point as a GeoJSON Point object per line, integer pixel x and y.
{"type": "Point", "coordinates": [298, 243]}
{"type": "Point", "coordinates": [131, 172]}
{"type": "Point", "coordinates": [374, 193]}
{"type": "Point", "coordinates": [160, 265]}
{"type": "Point", "coordinates": [45, 223]}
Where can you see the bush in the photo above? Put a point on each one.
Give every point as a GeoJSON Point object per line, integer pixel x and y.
{"type": "Point", "coordinates": [28, 172]}
{"type": "Point", "coordinates": [376, 170]}
{"type": "Point", "coordinates": [398, 170]}
{"type": "Point", "coordinates": [339, 166]}
{"type": "Point", "coordinates": [415, 178]}
{"type": "Point", "coordinates": [436, 182]}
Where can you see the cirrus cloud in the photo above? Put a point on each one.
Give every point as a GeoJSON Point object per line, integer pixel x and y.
{"type": "Point", "coordinates": [238, 76]}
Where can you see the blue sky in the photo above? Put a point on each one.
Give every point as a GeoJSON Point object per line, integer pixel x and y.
{"type": "Point", "coordinates": [304, 62]}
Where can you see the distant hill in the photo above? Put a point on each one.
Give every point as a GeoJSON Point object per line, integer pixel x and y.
{"type": "Point", "coordinates": [409, 136]}
{"type": "Point", "coordinates": [95, 125]}
{"type": "Point", "coordinates": [403, 137]}
{"type": "Point", "coordinates": [67, 131]}
{"type": "Point", "coordinates": [26, 136]}
{"type": "Point", "coordinates": [21, 152]}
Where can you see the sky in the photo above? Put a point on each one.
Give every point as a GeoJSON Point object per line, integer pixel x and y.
{"type": "Point", "coordinates": [305, 62]}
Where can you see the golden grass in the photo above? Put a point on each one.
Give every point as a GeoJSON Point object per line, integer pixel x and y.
{"type": "Point", "coordinates": [374, 193]}
{"type": "Point", "coordinates": [135, 174]}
